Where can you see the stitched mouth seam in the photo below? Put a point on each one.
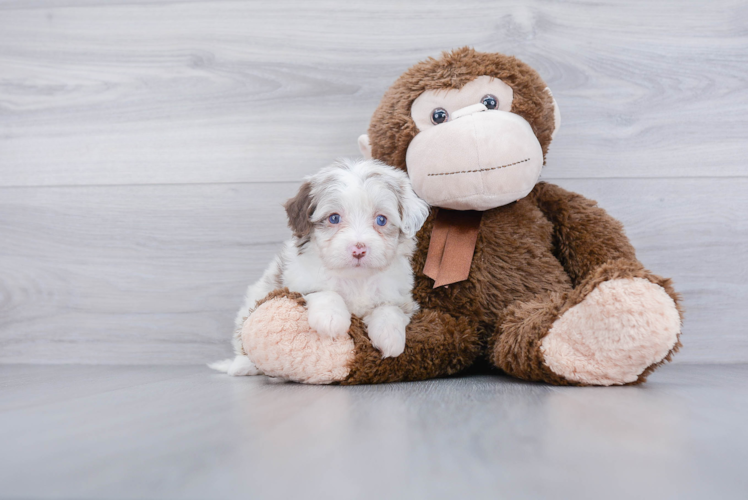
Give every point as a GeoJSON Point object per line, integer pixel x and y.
{"type": "Point", "coordinates": [480, 169]}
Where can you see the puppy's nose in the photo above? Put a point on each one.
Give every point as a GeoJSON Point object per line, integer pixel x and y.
{"type": "Point", "coordinates": [358, 250]}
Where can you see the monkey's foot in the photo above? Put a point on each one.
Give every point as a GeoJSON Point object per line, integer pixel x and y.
{"type": "Point", "coordinates": [618, 331]}
{"type": "Point", "coordinates": [279, 341]}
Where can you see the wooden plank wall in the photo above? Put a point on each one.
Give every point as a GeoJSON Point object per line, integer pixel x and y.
{"type": "Point", "coordinates": [146, 148]}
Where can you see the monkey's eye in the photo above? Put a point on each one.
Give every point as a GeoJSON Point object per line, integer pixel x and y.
{"type": "Point", "coordinates": [334, 219]}
{"type": "Point", "coordinates": [439, 115]}
{"type": "Point", "coordinates": [381, 220]}
{"type": "Point", "coordinates": [490, 101]}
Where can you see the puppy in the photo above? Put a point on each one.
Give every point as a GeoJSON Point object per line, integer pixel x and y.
{"type": "Point", "coordinates": [354, 226]}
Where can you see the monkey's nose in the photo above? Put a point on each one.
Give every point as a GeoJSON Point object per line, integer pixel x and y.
{"type": "Point", "coordinates": [468, 110]}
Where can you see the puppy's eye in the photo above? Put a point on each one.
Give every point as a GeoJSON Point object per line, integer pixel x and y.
{"type": "Point", "coordinates": [439, 115]}
{"type": "Point", "coordinates": [334, 219]}
{"type": "Point", "coordinates": [381, 220]}
{"type": "Point", "coordinates": [490, 101]}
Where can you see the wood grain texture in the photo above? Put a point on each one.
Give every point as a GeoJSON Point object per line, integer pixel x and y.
{"type": "Point", "coordinates": [131, 273]}
{"type": "Point", "coordinates": [146, 147]}
{"type": "Point", "coordinates": [165, 92]}
{"type": "Point", "coordinates": [154, 274]}
{"type": "Point", "coordinates": [156, 432]}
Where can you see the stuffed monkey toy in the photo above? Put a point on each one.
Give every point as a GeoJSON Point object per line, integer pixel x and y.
{"type": "Point", "coordinates": [524, 276]}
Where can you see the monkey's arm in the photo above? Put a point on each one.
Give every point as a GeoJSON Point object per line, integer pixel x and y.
{"type": "Point", "coordinates": [589, 243]}
{"type": "Point", "coordinates": [278, 339]}
{"type": "Point", "coordinates": [436, 345]}
{"type": "Point", "coordinates": [585, 237]}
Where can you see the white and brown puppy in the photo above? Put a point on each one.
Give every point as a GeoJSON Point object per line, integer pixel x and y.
{"type": "Point", "coordinates": [354, 226]}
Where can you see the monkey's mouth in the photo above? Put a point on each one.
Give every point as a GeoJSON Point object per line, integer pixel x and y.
{"type": "Point", "coordinates": [479, 170]}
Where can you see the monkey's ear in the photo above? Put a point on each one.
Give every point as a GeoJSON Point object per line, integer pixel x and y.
{"type": "Point", "coordinates": [364, 146]}
{"type": "Point", "coordinates": [556, 114]}
{"type": "Point", "coordinates": [299, 211]}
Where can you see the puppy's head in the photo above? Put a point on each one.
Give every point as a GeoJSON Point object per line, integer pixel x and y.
{"type": "Point", "coordinates": [356, 214]}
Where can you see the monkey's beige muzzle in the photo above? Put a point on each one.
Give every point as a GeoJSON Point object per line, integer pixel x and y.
{"type": "Point", "coordinates": [476, 161]}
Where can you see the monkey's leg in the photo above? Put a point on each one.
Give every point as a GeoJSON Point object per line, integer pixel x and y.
{"type": "Point", "coordinates": [614, 328]}
{"type": "Point", "coordinates": [278, 339]}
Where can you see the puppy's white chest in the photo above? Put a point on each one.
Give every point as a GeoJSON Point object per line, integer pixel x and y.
{"type": "Point", "coordinates": [360, 296]}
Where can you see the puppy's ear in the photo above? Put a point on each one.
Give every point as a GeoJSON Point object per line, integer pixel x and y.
{"type": "Point", "coordinates": [299, 210]}
{"type": "Point", "coordinates": [414, 210]}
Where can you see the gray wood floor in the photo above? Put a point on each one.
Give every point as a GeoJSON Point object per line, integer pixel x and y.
{"type": "Point", "coordinates": [146, 147]}
{"type": "Point", "coordinates": [124, 432]}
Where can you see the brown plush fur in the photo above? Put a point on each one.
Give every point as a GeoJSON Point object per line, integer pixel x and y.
{"type": "Point", "coordinates": [584, 236]}
{"type": "Point", "coordinates": [281, 293]}
{"type": "Point", "coordinates": [534, 259]}
{"type": "Point", "coordinates": [436, 345]}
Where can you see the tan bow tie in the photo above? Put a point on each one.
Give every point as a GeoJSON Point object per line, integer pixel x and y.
{"type": "Point", "coordinates": [452, 245]}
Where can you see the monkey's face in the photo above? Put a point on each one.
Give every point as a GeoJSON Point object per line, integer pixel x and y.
{"type": "Point", "coordinates": [471, 129]}
{"type": "Point", "coordinates": [471, 152]}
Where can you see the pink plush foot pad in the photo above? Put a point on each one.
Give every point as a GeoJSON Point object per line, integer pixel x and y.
{"type": "Point", "coordinates": [278, 340]}
{"type": "Point", "coordinates": [618, 330]}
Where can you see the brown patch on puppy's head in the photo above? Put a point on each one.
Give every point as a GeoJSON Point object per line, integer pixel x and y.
{"type": "Point", "coordinates": [299, 210]}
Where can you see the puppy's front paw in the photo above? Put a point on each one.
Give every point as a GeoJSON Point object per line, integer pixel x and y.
{"type": "Point", "coordinates": [386, 327]}
{"type": "Point", "coordinates": [330, 322]}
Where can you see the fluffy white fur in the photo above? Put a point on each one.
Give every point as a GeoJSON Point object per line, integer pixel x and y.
{"type": "Point", "coordinates": [353, 267]}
